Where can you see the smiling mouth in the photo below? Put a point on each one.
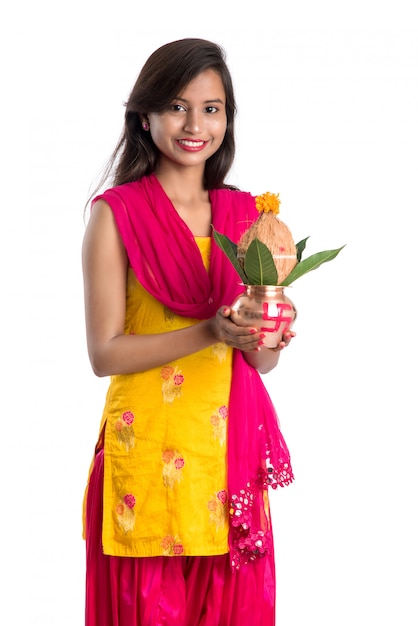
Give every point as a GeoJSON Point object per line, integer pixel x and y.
{"type": "Point", "coordinates": [189, 143]}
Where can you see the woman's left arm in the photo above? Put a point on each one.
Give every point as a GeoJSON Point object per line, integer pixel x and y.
{"type": "Point", "coordinates": [266, 359]}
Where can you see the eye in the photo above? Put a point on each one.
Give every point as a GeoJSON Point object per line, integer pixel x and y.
{"type": "Point", "coordinates": [211, 109]}
{"type": "Point", "coordinates": [176, 107]}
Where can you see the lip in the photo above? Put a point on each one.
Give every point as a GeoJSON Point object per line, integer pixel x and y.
{"type": "Point", "coordinates": [191, 145]}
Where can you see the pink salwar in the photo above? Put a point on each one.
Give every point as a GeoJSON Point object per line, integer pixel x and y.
{"type": "Point", "coordinates": [170, 591]}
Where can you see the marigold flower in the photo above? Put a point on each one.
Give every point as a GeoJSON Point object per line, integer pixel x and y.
{"type": "Point", "coordinates": [268, 202]}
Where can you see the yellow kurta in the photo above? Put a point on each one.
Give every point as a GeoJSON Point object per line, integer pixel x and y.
{"type": "Point", "coordinates": [165, 444]}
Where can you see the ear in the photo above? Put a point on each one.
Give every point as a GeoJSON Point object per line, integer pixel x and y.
{"type": "Point", "coordinates": [144, 122]}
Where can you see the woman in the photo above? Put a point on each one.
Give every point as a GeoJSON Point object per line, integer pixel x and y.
{"type": "Point", "coordinates": [177, 520]}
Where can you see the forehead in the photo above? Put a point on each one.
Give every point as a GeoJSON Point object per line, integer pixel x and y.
{"type": "Point", "coordinates": [206, 85]}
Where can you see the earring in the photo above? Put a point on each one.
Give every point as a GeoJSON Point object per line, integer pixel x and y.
{"type": "Point", "coordinates": [145, 126]}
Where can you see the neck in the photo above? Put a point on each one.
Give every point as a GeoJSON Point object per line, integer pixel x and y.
{"type": "Point", "coordinates": [189, 199]}
{"type": "Point", "coordinates": [184, 184]}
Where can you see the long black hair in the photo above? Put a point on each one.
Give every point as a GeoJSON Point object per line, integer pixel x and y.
{"type": "Point", "coordinates": [163, 77]}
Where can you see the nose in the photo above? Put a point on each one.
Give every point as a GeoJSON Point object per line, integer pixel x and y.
{"type": "Point", "coordinates": [193, 123]}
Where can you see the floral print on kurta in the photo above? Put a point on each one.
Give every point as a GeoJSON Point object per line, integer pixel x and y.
{"type": "Point", "coordinates": [219, 421]}
{"type": "Point", "coordinates": [172, 546]}
{"type": "Point", "coordinates": [172, 382]}
{"type": "Point", "coordinates": [172, 468]}
{"type": "Point", "coordinates": [124, 430]}
{"type": "Point", "coordinates": [220, 351]}
{"type": "Point", "coordinates": [125, 512]}
{"type": "Point", "coordinates": [218, 508]}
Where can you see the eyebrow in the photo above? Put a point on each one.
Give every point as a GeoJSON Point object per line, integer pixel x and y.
{"type": "Point", "coordinates": [218, 100]}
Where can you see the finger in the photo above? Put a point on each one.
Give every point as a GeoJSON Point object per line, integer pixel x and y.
{"type": "Point", "coordinates": [286, 339]}
{"type": "Point", "coordinates": [247, 341]}
{"type": "Point", "coordinates": [288, 336]}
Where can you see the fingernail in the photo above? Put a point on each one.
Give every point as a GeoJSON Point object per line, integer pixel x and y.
{"type": "Point", "coordinates": [253, 331]}
{"type": "Point", "coordinates": [262, 336]}
{"type": "Point", "coordinates": [261, 343]}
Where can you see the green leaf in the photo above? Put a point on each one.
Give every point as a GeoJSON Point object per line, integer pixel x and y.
{"type": "Point", "coordinates": [230, 249]}
{"type": "Point", "coordinates": [309, 264]}
{"type": "Point", "coordinates": [300, 247]}
{"type": "Point", "coordinates": [259, 264]}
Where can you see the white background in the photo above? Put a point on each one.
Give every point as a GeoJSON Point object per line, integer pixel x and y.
{"type": "Point", "coordinates": [328, 100]}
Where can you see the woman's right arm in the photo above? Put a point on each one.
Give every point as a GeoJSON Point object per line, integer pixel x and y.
{"type": "Point", "coordinates": [112, 352]}
{"type": "Point", "coordinates": [105, 267]}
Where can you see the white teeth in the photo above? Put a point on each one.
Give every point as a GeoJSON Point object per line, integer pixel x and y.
{"type": "Point", "coordinates": [191, 144]}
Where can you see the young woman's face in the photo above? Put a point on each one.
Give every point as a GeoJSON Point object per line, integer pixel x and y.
{"type": "Point", "coordinates": [193, 126]}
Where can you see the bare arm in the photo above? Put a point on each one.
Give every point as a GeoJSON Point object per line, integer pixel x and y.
{"type": "Point", "coordinates": [110, 350]}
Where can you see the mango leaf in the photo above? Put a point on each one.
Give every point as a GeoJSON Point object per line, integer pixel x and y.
{"type": "Point", "coordinates": [230, 249]}
{"type": "Point", "coordinates": [300, 247]}
{"type": "Point", "coordinates": [259, 264]}
{"type": "Point", "coordinates": [309, 264]}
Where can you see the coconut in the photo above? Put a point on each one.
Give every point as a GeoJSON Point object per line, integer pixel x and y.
{"type": "Point", "coordinates": [274, 233]}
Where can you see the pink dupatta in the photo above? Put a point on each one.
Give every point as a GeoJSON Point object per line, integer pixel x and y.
{"type": "Point", "coordinates": [167, 262]}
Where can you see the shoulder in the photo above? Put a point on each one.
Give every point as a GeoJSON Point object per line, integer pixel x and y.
{"type": "Point", "coordinates": [102, 242]}
{"type": "Point", "coordinates": [119, 192]}
{"type": "Point", "coordinates": [232, 192]}
{"type": "Point", "coordinates": [235, 200]}
{"type": "Point", "coordinates": [234, 196]}
{"type": "Point", "coordinates": [233, 211]}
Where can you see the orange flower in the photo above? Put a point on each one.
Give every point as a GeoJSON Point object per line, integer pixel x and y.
{"type": "Point", "coordinates": [168, 455]}
{"type": "Point", "coordinates": [268, 202]}
{"type": "Point", "coordinates": [166, 372]}
{"type": "Point", "coordinates": [167, 542]}
{"type": "Point", "coordinates": [119, 426]}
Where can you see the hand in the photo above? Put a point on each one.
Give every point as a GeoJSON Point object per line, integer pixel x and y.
{"type": "Point", "coordinates": [246, 338]}
{"type": "Point", "coordinates": [286, 339]}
